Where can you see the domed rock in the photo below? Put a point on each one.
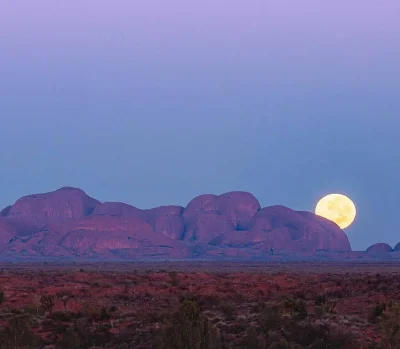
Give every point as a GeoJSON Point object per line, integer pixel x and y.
{"type": "Point", "coordinates": [239, 207]}
{"type": "Point", "coordinates": [281, 216]}
{"type": "Point", "coordinates": [64, 203]}
{"type": "Point", "coordinates": [379, 248]}
{"type": "Point", "coordinates": [207, 227]}
{"type": "Point", "coordinates": [205, 203]}
{"type": "Point", "coordinates": [397, 247]}
{"type": "Point", "coordinates": [166, 220]}
{"type": "Point", "coordinates": [67, 222]}
{"type": "Point", "coordinates": [306, 231]}
{"type": "Point", "coordinates": [230, 211]}
{"type": "Point", "coordinates": [337, 238]}
{"type": "Point", "coordinates": [260, 223]}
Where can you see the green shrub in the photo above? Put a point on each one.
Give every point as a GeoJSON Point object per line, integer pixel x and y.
{"type": "Point", "coordinates": [69, 340]}
{"type": "Point", "coordinates": [250, 340]}
{"type": "Point", "coordinates": [17, 333]}
{"type": "Point", "coordinates": [258, 307]}
{"type": "Point", "coordinates": [64, 316]}
{"type": "Point", "coordinates": [174, 278]}
{"type": "Point", "coordinates": [300, 309]}
{"type": "Point", "coordinates": [104, 314]}
{"type": "Point", "coordinates": [47, 303]}
{"type": "Point", "coordinates": [296, 307]}
{"type": "Point", "coordinates": [320, 299]}
{"type": "Point", "coordinates": [270, 319]}
{"type": "Point", "coordinates": [228, 309]}
{"type": "Point", "coordinates": [319, 311]}
{"type": "Point", "coordinates": [376, 312]}
{"type": "Point", "coordinates": [190, 329]}
{"type": "Point", "coordinates": [390, 327]}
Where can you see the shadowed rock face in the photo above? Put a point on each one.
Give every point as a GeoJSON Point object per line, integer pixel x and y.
{"type": "Point", "coordinates": [68, 222]}
{"type": "Point", "coordinates": [13, 229]}
{"type": "Point", "coordinates": [379, 248]}
{"type": "Point", "coordinates": [4, 212]}
{"type": "Point", "coordinates": [397, 247]}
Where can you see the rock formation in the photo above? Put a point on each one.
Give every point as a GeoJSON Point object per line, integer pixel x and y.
{"type": "Point", "coordinates": [379, 248]}
{"type": "Point", "coordinates": [68, 222]}
{"type": "Point", "coordinates": [64, 203]}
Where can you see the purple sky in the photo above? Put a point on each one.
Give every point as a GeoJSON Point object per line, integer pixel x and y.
{"type": "Point", "coordinates": [154, 102]}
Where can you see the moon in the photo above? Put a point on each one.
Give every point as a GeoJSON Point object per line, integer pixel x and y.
{"type": "Point", "coordinates": [338, 208]}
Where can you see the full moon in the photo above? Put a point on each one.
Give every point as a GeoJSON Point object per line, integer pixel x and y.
{"type": "Point", "coordinates": [338, 208]}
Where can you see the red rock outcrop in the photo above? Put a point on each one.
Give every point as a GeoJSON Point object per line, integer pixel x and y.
{"type": "Point", "coordinates": [208, 226]}
{"type": "Point", "coordinates": [208, 216]}
{"type": "Point", "coordinates": [379, 248]}
{"type": "Point", "coordinates": [64, 203]}
{"type": "Point", "coordinates": [304, 231]}
{"type": "Point", "coordinates": [239, 207]}
{"type": "Point", "coordinates": [282, 229]}
{"type": "Point", "coordinates": [166, 220]}
{"type": "Point", "coordinates": [205, 203]}
{"type": "Point", "coordinates": [68, 222]}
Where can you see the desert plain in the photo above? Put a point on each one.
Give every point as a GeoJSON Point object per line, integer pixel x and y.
{"type": "Point", "coordinates": [199, 305]}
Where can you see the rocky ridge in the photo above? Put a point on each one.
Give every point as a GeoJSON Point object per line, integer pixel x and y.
{"type": "Point", "coordinates": [67, 222]}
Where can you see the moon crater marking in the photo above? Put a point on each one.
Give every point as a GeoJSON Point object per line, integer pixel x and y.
{"type": "Point", "coordinates": [338, 208]}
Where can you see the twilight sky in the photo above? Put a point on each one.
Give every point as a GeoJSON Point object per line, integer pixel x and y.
{"type": "Point", "coordinates": [153, 102]}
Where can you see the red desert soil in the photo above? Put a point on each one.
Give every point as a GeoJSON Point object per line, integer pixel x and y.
{"type": "Point", "coordinates": [129, 305]}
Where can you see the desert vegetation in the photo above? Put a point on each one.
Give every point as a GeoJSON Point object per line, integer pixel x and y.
{"type": "Point", "coordinates": [181, 306]}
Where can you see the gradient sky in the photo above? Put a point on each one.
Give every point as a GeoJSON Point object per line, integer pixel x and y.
{"type": "Point", "coordinates": [154, 102]}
